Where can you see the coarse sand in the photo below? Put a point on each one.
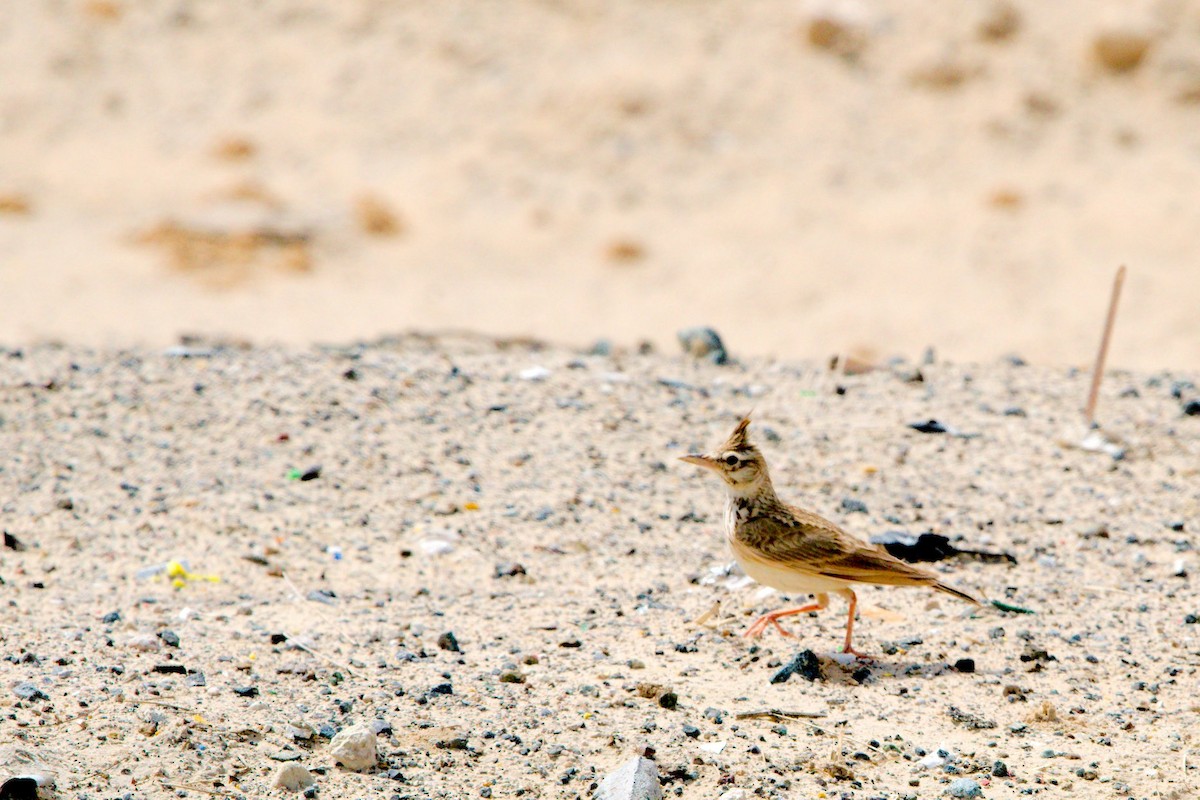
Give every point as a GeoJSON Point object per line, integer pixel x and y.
{"type": "Point", "coordinates": [488, 554]}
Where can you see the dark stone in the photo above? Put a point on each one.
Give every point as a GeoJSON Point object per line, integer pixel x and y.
{"type": "Point", "coordinates": [853, 505]}
{"type": "Point", "coordinates": [861, 674]}
{"type": "Point", "coordinates": [571, 643]}
{"type": "Point", "coordinates": [170, 669]}
{"type": "Point", "coordinates": [969, 721]}
{"type": "Point", "coordinates": [691, 731]}
{"type": "Point", "coordinates": [442, 688]}
{"type": "Point", "coordinates": [12, 542]}
{"type": "Point", "coordinates": [278, 638]}
{"type": "Point", "coordinates": [311, 474]}
{"type": "Point", "coordinates": [457, 743]}
{"type": "Point", "coordinates": [1032, 653]}
{"type": "Point", "coordinates": [669, 700]}
{"type": "Point", "coordinates": [197, 679]}
{"type": "Point", "coordinates": [111, 617]}
{"type": "Point", "coordinates": [509, 569]}
{"type": "Point", "coordinates": [170, 638]}
{"type": "Point", "coordinates": [703, 343]}
{"type": "Point", "coordinates": [804, 663]}
{"type": "Point", "coordinates": [928, 426]}
{"type": "Point", "coordinates": [964, 665]}
{"type": "Point", "coordinates": [1000, 769]}
{"type": "Point", "coordinates": [246, 691]}
{"type": "Point", "coordinates": [382, 727]}
{"type": "Point", "coordinates": [447, 641]}
{"type": "Point", "coordinates": [27, 690]}
{"type": "Point", "coordinates": [1192, 408]}
{"type": "Point", "coordinates": [21, 788]}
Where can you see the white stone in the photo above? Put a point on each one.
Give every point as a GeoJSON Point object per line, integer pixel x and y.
{"type": "Point", "coordinates": [354, 748]}
{"type": "Point", "coordinates": [146, 642]}
{"type": "Point", "coordinates": [636, 779]}
{"type": "Point", "coordinates": [535, 374]}
{"type": "Point", "coordinates": [292, 777]}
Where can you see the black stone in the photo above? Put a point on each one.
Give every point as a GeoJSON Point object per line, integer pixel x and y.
{"type": "Point", "coordinates": [111, 617]}
{"type": "Point", "coordinates": [964, 665]}
{"type": "Point", "coordinates": [804, 663]}
{"type": "Point", "coordinates": [691, 731]}
{"type": "Point", "coordinates": [311, 474]}
{"type": "Point", "coordinates": [447, 641]}
{"type": "Point", "coordinates": [246, 691]}
{"type": "Point", "coordinates": [170, 669]}
{"type": "Point", "coordinates": [20, 788]}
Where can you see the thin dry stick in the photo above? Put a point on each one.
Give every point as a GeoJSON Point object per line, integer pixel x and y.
{"type": "Point", "coordinates": [1089, 414]}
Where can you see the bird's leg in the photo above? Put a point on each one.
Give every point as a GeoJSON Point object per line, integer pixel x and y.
{"type": "Point", "coordinates": [853, 600]}
{"type": "Point", "coordinates": [760, 625]}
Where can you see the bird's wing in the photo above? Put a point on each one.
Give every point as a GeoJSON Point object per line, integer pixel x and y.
{"type": "Point", "coordinates": [807, 543]}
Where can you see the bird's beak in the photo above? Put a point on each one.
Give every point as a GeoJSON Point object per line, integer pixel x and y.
{"type": "Point", "coordinates": [700, 461]}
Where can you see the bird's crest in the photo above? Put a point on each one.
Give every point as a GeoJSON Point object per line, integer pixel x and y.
{"type": "Point", "coordinates": [739, 440]}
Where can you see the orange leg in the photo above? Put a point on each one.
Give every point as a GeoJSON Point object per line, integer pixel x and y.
{"type": "Point", "coordinates": [759, 626]}
{"type": "Point", "coordinates": [853, 600]}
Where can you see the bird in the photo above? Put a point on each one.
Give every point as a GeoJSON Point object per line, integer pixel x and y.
{"type": "Point", "coordinates": [795, 550]}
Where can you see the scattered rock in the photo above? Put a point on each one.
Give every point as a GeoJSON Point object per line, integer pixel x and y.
{"type": "Point", "coordinates": [170, 638]}
{"type": "Point", "coordinates": [111, 617]}
{"type": "Point", "coordinates": [447, 641]}
{"type": "Point", "coordinates": [246, 691]}
{"type": "Point", "coordinates": [1000, 22]}
{"type": "Point", "coordinates": [964, 787]}
{"type": "Point", "coordinates": [509, 569]}
{"type": "Point", "coordinates": [143, 642]}
{"type": "Point", "coordinates": [292, 777]}
{"type": "Point", "coordinates": [969, 721]}
{"type": "Point", "coordinates": [852, 505]}
{"type": "Point", "coordinates": [27, 690]}
{"type": "Point", "coordinates": [13, 543]}
{"type": "Point", "coordinates": [1120, 50]}
{"type": "Point", "coordinates": [636, 779]}
{"type": "Point", "coordinates": [966, 665]}
{"type": "Point", "coordinates": [354, 748]}
{"type": "Point", "coordinates": [839, 28]}
{"type": "Point", "coordinates": [804, 663]}
{"type": "Point", "coordinates": [376, 218]}
{"type": "Point", "coordinates": [1192, 408]}
{"type": "Point", "coordinates": [512, 676]}
{"type": "Point", "coordinates": [703, 343]}
{"type": "Point", "coordinates": [1000, 769]}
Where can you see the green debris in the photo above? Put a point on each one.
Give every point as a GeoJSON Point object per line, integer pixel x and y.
{"type": "Point", "coordinates": [1012, 608]}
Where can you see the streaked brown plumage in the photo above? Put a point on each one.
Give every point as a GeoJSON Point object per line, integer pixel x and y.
{"type": "Point", "coordinates": [795, 550]}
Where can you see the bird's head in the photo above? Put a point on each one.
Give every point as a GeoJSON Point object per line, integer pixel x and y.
{"type": "Point", "coordinates": [739, 463]}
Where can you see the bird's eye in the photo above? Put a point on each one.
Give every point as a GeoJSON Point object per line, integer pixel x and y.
{"type": "Point", "coordinates": [731, 460]}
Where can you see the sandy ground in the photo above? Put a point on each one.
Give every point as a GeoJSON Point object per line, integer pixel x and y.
{"type": "Point", "coordinates": [541, 517]}
{"type": "Point", "coordinates": [905, 175]}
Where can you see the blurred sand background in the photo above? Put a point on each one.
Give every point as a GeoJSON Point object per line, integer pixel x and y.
{"type": "Point", "coordinates": [862, 176]}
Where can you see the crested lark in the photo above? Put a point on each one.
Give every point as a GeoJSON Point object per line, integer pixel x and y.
{"type": "Point", "coordinates": [794, 550]}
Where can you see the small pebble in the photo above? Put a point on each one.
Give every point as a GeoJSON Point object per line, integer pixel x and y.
{"type": "Point", "coordinates": [292, 777]}
{"type": "Point", "coordinates": [965, 787]}
{"type": "Point", "coordinates": [447, 641]}
{"type": "Point", "coordinates": [964, 665]}
{"type": "Point", "coordinates": [804, 663]}
{"type": "Point", "coordinates": [703, 343]}
{"type": "Point", "coordinates": [354, 748]}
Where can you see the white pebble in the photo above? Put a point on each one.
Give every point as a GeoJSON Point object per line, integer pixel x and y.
{"type": "Point", "coordinates": [145, 642]}
{"type": "Point", "coordinates": [293, 777]}
{"type": "Point", "coordinates": [534, 374]}
{"type": "Point", "coordinates": [355, 748]}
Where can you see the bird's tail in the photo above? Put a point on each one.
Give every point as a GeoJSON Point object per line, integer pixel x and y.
{"type": "Point", "coordinates": [941, 587]}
